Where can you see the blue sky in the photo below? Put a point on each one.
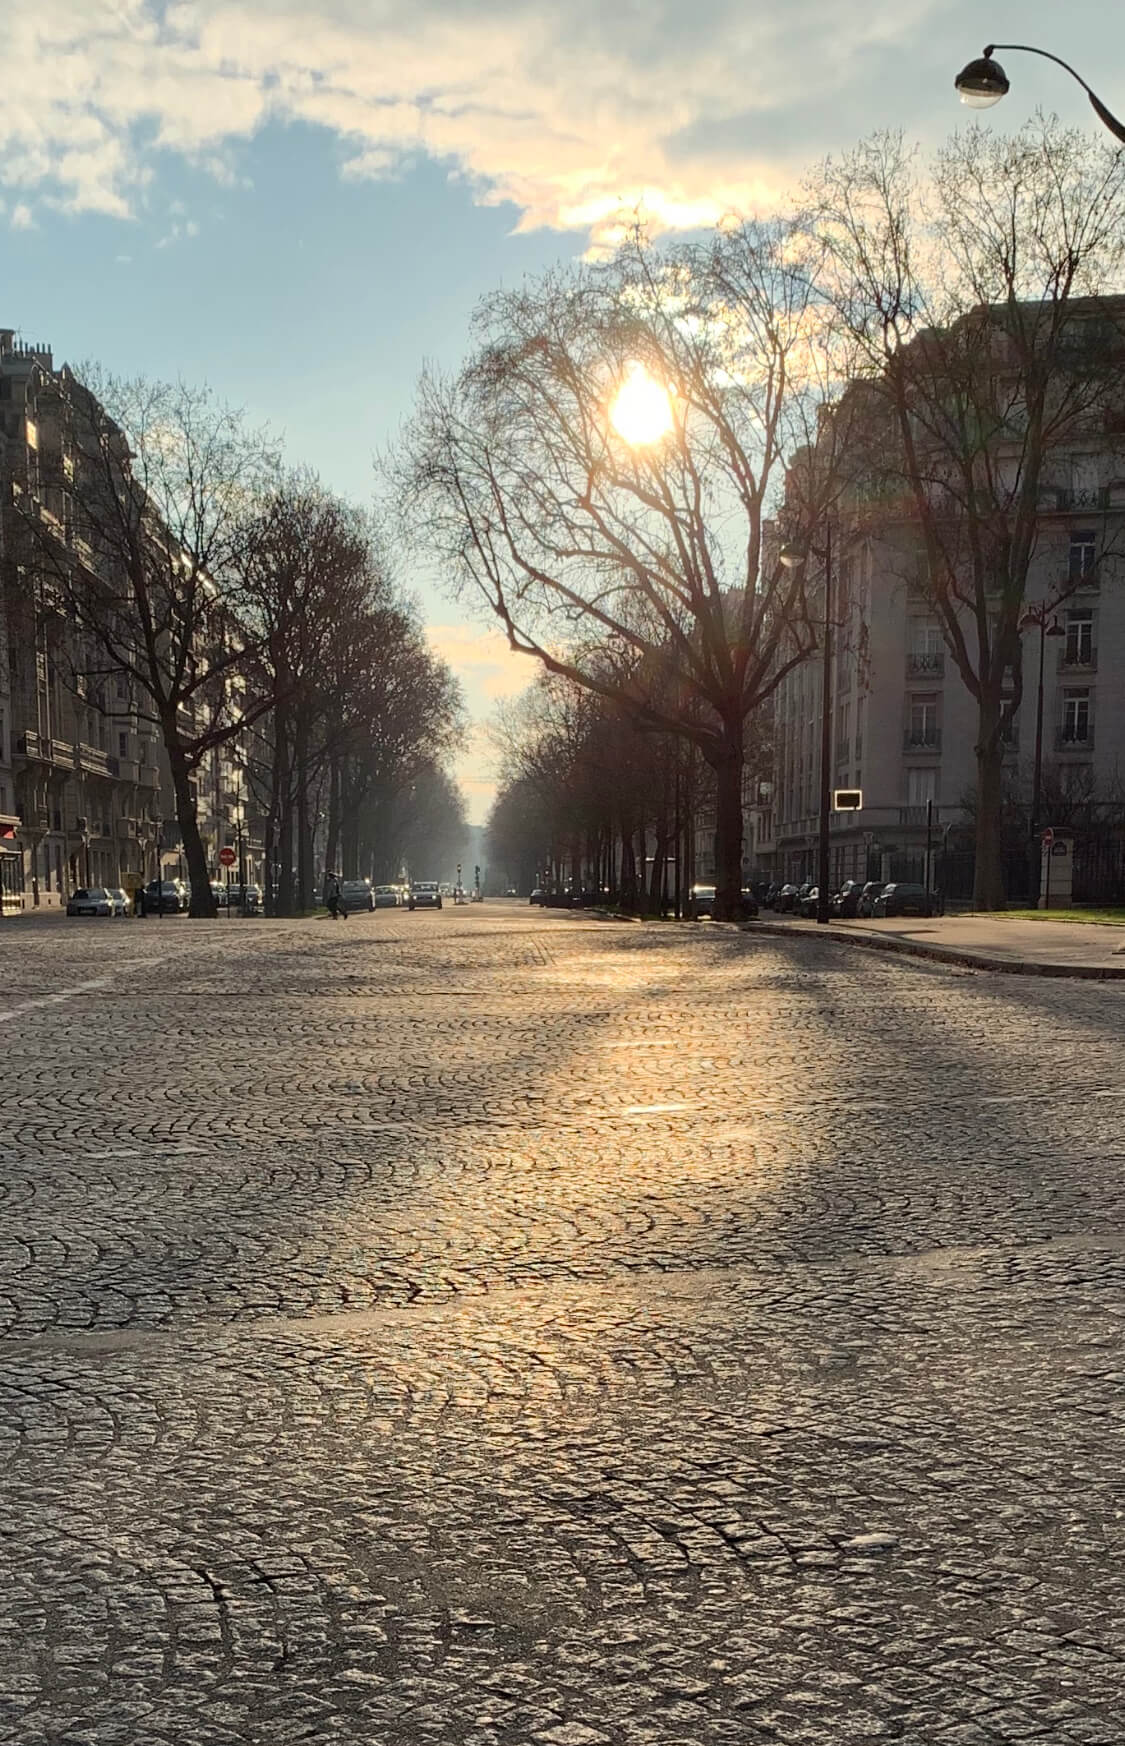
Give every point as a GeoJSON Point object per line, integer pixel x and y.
{"type": "Point", "coordinates": [300, 201]}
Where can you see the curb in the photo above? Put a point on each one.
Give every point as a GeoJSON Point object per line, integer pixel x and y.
{"type": "Point", "coordinates": [945, 954]}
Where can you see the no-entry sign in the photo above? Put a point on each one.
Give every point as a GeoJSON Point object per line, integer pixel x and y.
{"type": "Point", "coordinates": [1048, 837]}
{"type": "Point", "coordinates": [227, 857]}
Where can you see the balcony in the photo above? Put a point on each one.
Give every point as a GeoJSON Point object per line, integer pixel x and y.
{"type": "Point", "coordinates": [1075, 739]}
{"type": "Point", "coordinates": [925, 664]}
{"type": "Point", "coordinates": [1087, 663]}
{"type": "Point", "coordinates": [127, 829]}
{"type": "Point", "coordinates": [96, 762]}
{"type": "Point", "coordinates": [32, 745]}
{"type": "Point", "coordinates": [926, 739]}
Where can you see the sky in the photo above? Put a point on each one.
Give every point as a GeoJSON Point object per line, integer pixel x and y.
{"type": "Point", "coordinates": [301, 201]}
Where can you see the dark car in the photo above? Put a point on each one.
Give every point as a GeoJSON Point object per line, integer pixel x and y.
{"type": "Point", "coordinates": [846, 900]}
{"type": "Point", "coordinates": [169, 896]}
{"type": "Point", "coordinates": [426, 894]}
{"type": "Point", "coordinates": [806, 905]}
{"type": "Point", "coordinates": [702, 901]}
{"type": "Point", "coordinates": [902, 899]}
{"type": "Point", "coordinates": [785, 899]}
{"type": "Point", "coordinates": [867, 896]}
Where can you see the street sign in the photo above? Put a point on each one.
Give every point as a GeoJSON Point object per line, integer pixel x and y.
{"type": "Point", "coordinates": [227, 857]}
{"type": "Point", "coordinates": [1048, 837]}
{"type": "Point", "coordinates": [847, 800]}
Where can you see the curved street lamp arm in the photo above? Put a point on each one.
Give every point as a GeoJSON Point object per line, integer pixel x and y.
{"type": "Point", "coordinates": [1115, 127]}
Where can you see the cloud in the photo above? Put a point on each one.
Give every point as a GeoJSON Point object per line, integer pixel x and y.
{"type": "Point", "coordinates": [482, 660]}
{"type": "Point", "coordinates": [575, 114]}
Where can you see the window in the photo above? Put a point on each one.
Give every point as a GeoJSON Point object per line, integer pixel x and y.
{"type": "Point", "coordinates": [1076, 718]}
{"type": "Point", "coordinates": [927, 648]}
{"type": "Point", "coordinates": [1085, 478]}
{"type": "Point", "coordinates": [923, 722]}
{"type": "Point", "coordinates": [3, 760]}
{"type": "Point", "coordinates": [921, 786]}
{"type": "Point", "coordinates": [123, 745]}
{"type": "Point", "coordinates": [1083, 556]}
{"type": "Point", "coordinates": [1079, 637]}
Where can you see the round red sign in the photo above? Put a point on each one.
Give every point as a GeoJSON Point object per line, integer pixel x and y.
{"type": "Point", "coordinates": [1048, 837]}
{"type": "Point", "coordinates": [227, 857]}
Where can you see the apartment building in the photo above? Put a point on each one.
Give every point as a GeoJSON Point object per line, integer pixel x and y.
{"type": "Point", "coordinates": [903, 721]}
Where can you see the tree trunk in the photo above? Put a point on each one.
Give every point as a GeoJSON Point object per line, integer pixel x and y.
{"type": "Point", "coordinates": [988, 872]}
{"type": "Point", "coordinates": [304, 832]}
{"type": "Point", "coordinates": [727, 765]}
{"type": "Point", "coordinates": [627, 892]}
{"type": "Point", "coordinates": [202, 897]}
{"type": "Point", "coordinates": [332, 848]}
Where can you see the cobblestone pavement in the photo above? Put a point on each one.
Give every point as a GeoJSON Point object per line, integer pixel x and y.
{"type": "Point", "coordinates": [498, 1328]}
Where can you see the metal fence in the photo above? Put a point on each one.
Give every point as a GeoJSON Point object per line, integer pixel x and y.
{"type": "Point", "coordinates": [1099, 872]}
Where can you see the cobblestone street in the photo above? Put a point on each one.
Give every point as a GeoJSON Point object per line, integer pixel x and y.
{"type": "Point", "coordinates": [507, 1328]}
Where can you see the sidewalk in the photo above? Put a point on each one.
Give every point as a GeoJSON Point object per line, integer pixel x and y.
{"type": "Point", "coordinates": [1094, 950]}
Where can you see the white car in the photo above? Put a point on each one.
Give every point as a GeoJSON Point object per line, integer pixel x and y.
{"type": "Point", "coordinates": [90, 900]}
{"type": "Point", "coordinates": [388, 896]}
{"type": "Point", "coordinates": [119, 899]}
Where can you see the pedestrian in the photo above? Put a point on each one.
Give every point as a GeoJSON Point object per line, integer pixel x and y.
{"type": "Point", "coordinates": [334, 897]}
{"type": "Point", "coordinates": [139, 900]}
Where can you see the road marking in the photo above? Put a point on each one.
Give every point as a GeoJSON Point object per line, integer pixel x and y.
{"type": "Point", "coordinates": [54, 999]}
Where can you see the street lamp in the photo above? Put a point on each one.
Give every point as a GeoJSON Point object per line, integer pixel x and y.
{"type": "Point", "coordinates": [982, 83]}
{"type": "Point", "coordinates": [793, 556]}
{"type": "Point", "coordinates": [1038, 616]}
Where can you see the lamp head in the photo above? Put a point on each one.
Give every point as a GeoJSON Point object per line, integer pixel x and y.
{"type": "Point", "coordinates": [982, 83]}
{"type": "Point", "coordinates": [792, 555]}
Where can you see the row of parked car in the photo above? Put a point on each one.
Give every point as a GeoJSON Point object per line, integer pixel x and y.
{"type": "Point", "coordinates": [871, 897]}
{"type": "Point", "coordinates": [158, 897]}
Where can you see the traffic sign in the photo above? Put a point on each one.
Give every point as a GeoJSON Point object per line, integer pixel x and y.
{"type": "Point", "coordinates": [1048, 837]}
{"type": "Point", "coordinates": [847, 800]}
{"type": "Point", "coordinates": [227, 857]}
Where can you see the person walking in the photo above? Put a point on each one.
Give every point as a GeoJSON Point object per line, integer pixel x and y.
{"type": "Point", "coordinates": [336, 904]}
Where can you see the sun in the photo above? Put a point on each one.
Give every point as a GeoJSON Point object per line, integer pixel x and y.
{"type": "Point", "coordinates": [641, 410]}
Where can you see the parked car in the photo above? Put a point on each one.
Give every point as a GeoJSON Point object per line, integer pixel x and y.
{"type": "Point", "coordinates": [807, 903]}
{"type": "Point", "coordinates": [538, 896]}
{"type": "Point", "coordinates": [702, 901]}
{"type": "Point", "coordinates": [253, 901]}
{"type": "Point", "coordinates": [120, 900]}
{"type": "Point", "coordinates": [90, 900]}
{"type": "Point", "coordinates": [846, 901]}
{"type": "Point", "coordinates": [357, 894]}
{"type": "Point", "coordinates": [749, 904]}
{"type": "Point", "coordinates": [867, 897]}
{"type": "Point", "coordinates": [169, 896]}
{"type": "Point", "coordinates": [387, 897]}
{"type": "Point", "coordinates": [785, 899]}
{"type": "Point", "coordinates": [221, 893]}
{"type": "Point", "coordinates": [426, 894]}
{"type": "Point", "coordinates": [899, 898]}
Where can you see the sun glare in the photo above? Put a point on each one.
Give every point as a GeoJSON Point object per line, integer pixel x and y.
{"type": "Point", "coordinates": [641, 412]}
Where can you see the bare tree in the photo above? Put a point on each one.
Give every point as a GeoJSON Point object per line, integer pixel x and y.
{"type": "Point", "coordinates": [974, 300]}
{"type": "Point", "coordinates": [641, 573]}
{"type": "Point", "coordinates": [149, 484]}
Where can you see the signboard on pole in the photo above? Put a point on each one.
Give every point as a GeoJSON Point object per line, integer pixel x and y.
{"type": "Point", "coordinates": [847, 800]}
{"type": "Point", "coordinates": [1048, 838]}
{"type": "Point", "coordinates": [227, 857]}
